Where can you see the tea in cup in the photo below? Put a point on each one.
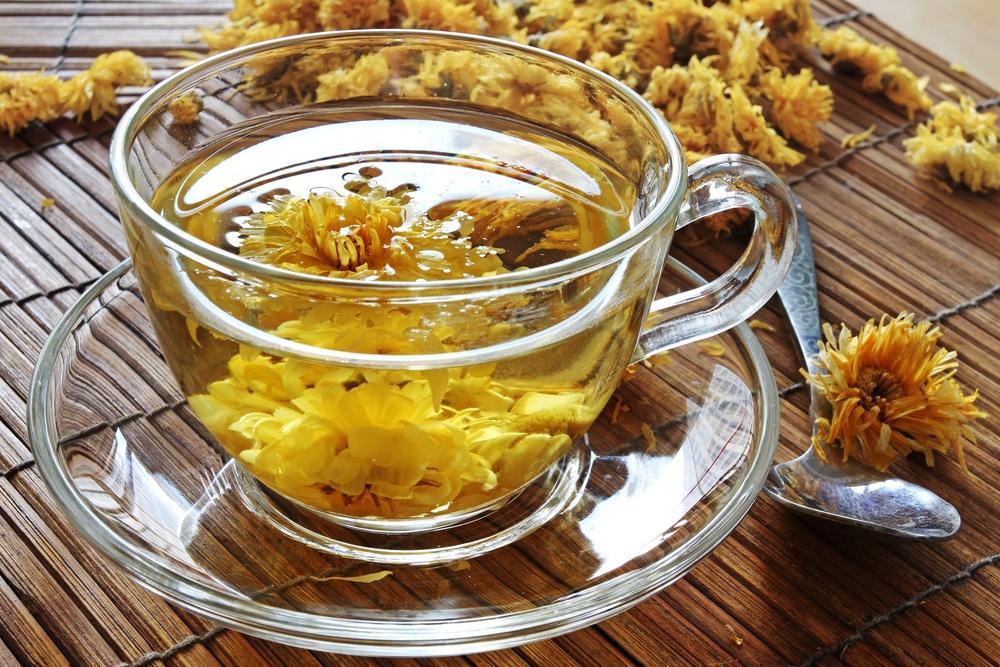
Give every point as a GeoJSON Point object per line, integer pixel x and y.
{"type": "Point", "coordinates": [397, 274]}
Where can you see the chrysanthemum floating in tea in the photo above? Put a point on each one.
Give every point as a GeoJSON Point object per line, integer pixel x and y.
{"type": "Point", "coordinates": [324, 234]}
{"type": "Point", "coordinates": [892, 392]}
{"type": "Point", "coordinates": [401, 442]}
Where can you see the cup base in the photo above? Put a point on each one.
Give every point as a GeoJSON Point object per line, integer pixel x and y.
{"type": "Point", "coordinates": [426, 541]}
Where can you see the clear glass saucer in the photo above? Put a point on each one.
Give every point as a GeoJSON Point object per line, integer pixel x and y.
{"type": "Point", "coordinates": [672, 466]}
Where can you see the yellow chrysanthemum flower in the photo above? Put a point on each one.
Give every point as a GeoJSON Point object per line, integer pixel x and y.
{"type": "Point", "coordinates": [400, 442]}
{"type": "Point", "coordinates": [743, 58]}
{"type": "Point", "coordinates": [892, 391]}
{"type": "Point", "coordinates": [353, 14]}
{"type": "Point", "coordinates": [377, 437]}
{"type": "Point", "coordinates": [94, 90]}
{"type": "Point", "coordinates": [632, 40]}
{"type": "Point", "coordinates": [879, 65]}
{"type": "Point", "coordinates": [846, 48]}
{"type": "Point", "coordinates": [958, 142]}
{"type": "Point", "coordinates": [480, 17]}
{"type": "Point", "coordinates": [762, 139]}
{"type": "Point", "coordinates": [324, 234]}
{"type": "Point", "coordinates": [381, 443]}
{"type": "Point", "coordinates": [799, 103]}
{"type": "Point", "coordinates": [27, 97]}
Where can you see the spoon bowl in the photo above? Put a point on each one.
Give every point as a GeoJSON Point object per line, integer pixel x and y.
{"type": "Point", "coordinates": [852, 494]}
{"type": "Point", "coordinates": [848, 493]}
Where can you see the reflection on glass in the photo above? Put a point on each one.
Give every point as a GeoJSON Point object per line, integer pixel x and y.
{"type": "Point", "coordinates": [660, 490]}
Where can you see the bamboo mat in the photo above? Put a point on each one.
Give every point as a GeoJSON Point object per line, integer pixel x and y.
{"type": "Point", "coordinates": [793, 592]}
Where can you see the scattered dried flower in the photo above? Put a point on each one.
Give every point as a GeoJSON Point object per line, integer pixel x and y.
{"type": "Point", "coordinates": [958, 143]}
{"type": "Point", "coordinates": [950, 89]}
{"type": "Point", "coordinates": [27, 97]}
{"type": "Point", "coordinates": [798, 101]}
{"type": "Point", "coordinates": [732, 635]}
{"type": "Point", "coordinates": [880, 67]}
{"type": "Point", "coordinates": [892, 391]}
{"type": "Point", "coordinates": [711, 348]}
{"type": "Point", "coordinates": [759, 324]}
{"type": "Point", "coordinates": [739, 53]}
{"type": "Point", "coordinates": [649, 436]}
{"type": "Point", "coordinates": [853, 139]}
{"type": "Point", "coordinates": [94, 90]}
{"type": "Point", "coordinates": [361, 578]}
{"type": "Point", "coordinates": [48, 202]}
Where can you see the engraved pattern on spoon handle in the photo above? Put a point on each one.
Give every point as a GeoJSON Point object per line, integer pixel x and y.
{"type": "Point", "coordinates": [798, 292]}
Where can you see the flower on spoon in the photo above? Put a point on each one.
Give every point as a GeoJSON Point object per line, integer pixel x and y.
{"type": "Point", "coordinates": [892, 391]}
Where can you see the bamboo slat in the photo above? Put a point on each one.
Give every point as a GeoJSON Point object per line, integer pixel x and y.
{"type": "Point", "coordinates": [795, 593]}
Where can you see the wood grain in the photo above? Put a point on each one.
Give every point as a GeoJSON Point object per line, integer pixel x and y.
{"type": "Point", "coordinates": [795, 593]}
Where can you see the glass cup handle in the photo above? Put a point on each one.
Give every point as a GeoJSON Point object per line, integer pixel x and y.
{"type": "Point", "coordinates": [718, 184]}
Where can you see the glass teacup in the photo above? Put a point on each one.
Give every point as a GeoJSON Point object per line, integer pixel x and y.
{"type": "Point", "coordinates": [399, 273]}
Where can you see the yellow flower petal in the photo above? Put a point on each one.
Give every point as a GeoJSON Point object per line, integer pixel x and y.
{"type": "Point", "coordinates": [361, 578]}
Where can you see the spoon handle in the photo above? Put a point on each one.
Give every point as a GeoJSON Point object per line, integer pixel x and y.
{"type": "Point", "coordinates": [798, 292]}
{"type": "Point", "coordinates": [837, 489]}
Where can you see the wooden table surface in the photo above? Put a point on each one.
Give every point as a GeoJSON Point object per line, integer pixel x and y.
{"type": "Point", "coordinates": [794, 592]}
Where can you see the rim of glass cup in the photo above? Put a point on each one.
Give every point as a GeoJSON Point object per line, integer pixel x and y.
{"type": "Point", "coordinates": [395, 637]}
{"type": "Point", "coordinates": [128, 196]}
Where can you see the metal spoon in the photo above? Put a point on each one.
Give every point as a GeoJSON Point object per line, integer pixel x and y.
{"type": "Point", "coordinates": [848, 493]}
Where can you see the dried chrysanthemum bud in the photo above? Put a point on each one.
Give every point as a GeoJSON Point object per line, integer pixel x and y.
{"type": "Point", "coordinates": [799, 103]}
{"type": "Point", "coordinates": [728, 106]}
{"type": "Point", "coordinates": [27, 97]}
{"type": "Point", "coordinates": [94, 90]}
{"type": "Point", "coordinates": [958, 143]}
{"type": "Point", "coordinates": [879, 65]}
